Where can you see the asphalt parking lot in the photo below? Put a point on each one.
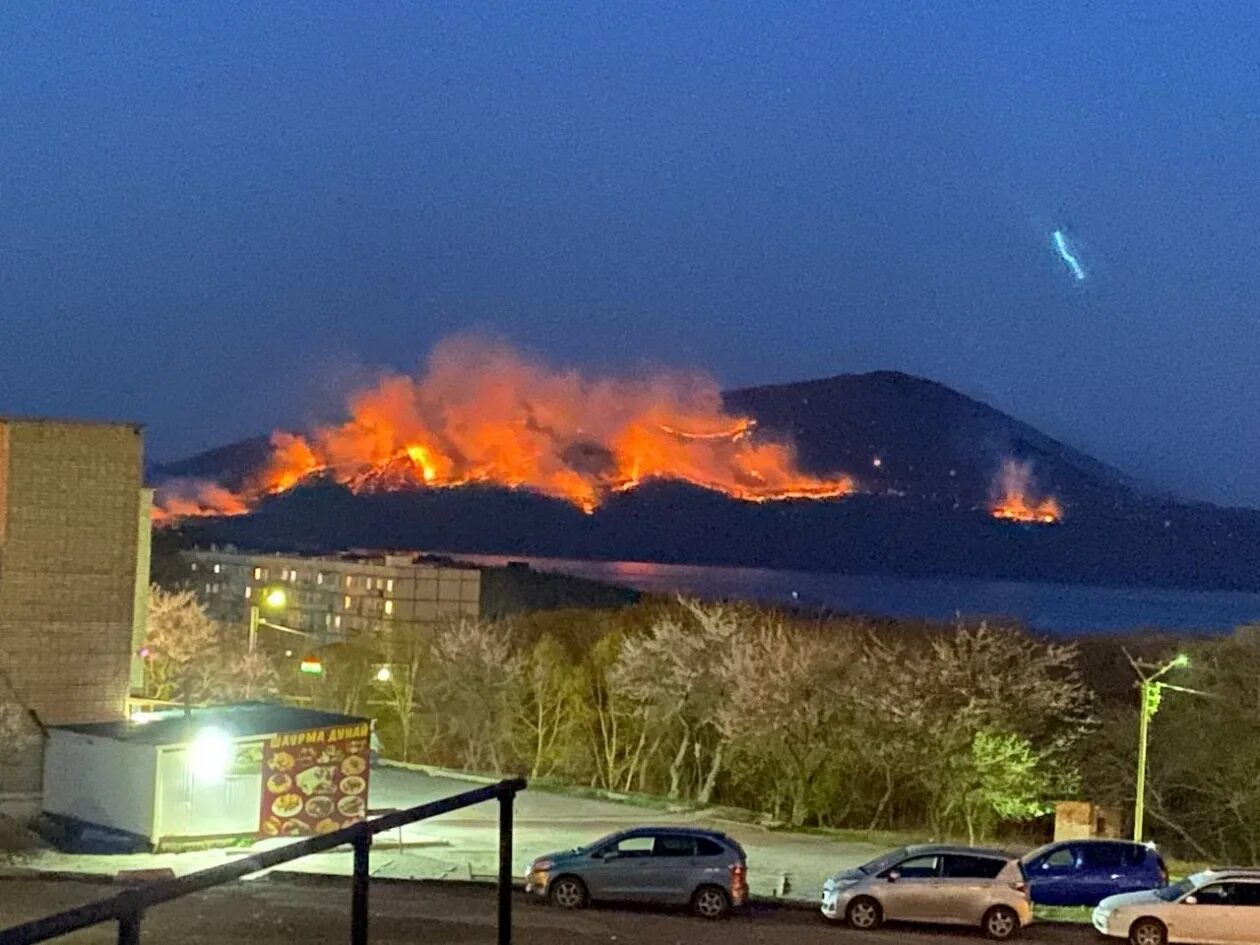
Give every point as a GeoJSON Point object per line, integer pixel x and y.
{"type": "Point", "coordinates": [289, 910]}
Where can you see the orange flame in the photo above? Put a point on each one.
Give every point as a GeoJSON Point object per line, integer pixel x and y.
{"type": "Point", "coordinates": [1016, 501]}
{"type": "Point", "coordinates": [482, 413]}
{"type": "Point", "coordinates": [190, 498]}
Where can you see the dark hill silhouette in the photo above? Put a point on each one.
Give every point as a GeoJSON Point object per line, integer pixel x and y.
{"type": "Point", "coordinates": [932, 441]}
{"type": "Point", "coordinates": [923, 512]}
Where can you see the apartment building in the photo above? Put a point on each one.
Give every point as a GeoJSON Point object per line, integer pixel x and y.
{"type": "Point", "coordinates": [74, 534]}
{"type": "Point", "coordinates": [333, 597]}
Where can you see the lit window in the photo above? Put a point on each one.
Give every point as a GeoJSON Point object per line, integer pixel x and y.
{"type": "Point", "coordinates": [248, 592]}
{"type": "Point", "coordinates": [194, 565]}
{"type": "Point", "coordinates": [207, 588]}
{"type": "Point", "coordinates": [346, 602]}
{"type": "Point", "coordinates": [337, 621]}
{"type": "Point", "coordinates": [319, 578]}
{"type": "Point", "coordinates": [218, 568]}
{"type": "Point", "coordinates": [389, 606]}
{"type": "Point", "coordinates": [257, 574]}
{"type": "Point", "coordinates": [389, 585]}
{"type": "Point", "coordinates": [349, 581]}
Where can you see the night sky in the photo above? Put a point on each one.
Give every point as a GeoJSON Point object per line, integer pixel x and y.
{"type": "Point", "coordinates": [215, 217]}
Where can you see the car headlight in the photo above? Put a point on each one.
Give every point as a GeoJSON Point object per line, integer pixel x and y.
{"type": "Point", "coordinates": [541, 866]}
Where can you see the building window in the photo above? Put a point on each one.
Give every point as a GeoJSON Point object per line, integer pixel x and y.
{"type": "Point", "coordinates": [389, 606]}
{"type": "Point", "coordinates": [257, 574]}
{"type": "Point", "coordinates": [248, 592]}
{"type": "Point", "coordinates": [194, 565]}
{"type": "Point", "coordinates": [218, 568]}
{"type": "Point", "coordinates": [349, 581]}
{"type": "Point", "coordinates": [319, 578]}
{"type": "Point", "coordinates": [389, 585]}
{"type": "Point", "coordinates": [337, 621]}
{"type": "Point", "coordinates": [345, 604]}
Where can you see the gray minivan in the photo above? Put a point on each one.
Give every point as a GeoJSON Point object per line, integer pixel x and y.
{"type": "Point", "coordinates": [669, 865]}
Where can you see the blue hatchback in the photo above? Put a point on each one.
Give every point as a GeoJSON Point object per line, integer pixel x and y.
{"type": "Point", "coordinates": [1085, 872]}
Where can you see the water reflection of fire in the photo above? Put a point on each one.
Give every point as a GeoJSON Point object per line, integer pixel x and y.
{"type": "Point", "coordinates": [1016, 499]}
{"type": "Point", "coordinates": [481, 413]}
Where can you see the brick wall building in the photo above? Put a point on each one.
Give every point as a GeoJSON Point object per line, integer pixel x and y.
{"type": "Point", "coordinates": [71, 551]}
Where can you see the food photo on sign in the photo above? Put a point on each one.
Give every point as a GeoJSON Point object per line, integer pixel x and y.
{"type": "Point", "coordinates": [315, 781]}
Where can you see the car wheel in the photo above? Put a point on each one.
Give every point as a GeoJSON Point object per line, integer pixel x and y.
{"type": "Point", "coordinates": [568, 892]}
{"type": "Point", "coordinates": [1001, 923]}
{"type": "Point", "coordinates": [710, 902]}
{"type": "Point", "coordinates": [1148, 932]}
{"type": "Point", "coordinates": [864, 913]}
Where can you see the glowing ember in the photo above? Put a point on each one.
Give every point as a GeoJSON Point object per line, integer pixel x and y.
{"type": "Point", "coordinates": [482, 413]}
{"type": "Point", "coordinates": [1016, 500]}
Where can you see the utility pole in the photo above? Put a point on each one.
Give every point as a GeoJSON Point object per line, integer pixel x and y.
{"type": "Point", "coordinates": [1151, 690]}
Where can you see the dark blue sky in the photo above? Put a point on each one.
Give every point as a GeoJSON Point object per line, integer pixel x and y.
{"type": "Point", "coordinates": [214, 216]}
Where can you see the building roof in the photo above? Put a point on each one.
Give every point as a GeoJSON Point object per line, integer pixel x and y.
{"type": "Point", "coordinates": [242, 720]}
{"type": "Point", "coordinates": [69, 421]}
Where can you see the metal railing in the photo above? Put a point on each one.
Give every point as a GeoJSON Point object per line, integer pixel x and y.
{"type": "Point", "coordinates": [127, 908]}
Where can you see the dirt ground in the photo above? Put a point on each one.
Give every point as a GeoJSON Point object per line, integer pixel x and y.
{"type": "Point", "coordinates": [291, 910]}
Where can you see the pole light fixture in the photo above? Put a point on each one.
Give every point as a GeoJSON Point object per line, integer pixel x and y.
{"type": "Point", "coordinates": [1151, 688]}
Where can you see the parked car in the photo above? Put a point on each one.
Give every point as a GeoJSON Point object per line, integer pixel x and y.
{"type": "Point", "coordinates": [1218, 906]}
{"type": "Point", "coordinates": [1085, 872]}
{"type": "Point", "coordinates": [669, 865]}
{"type": "Point", "coordinates": [952, 885]}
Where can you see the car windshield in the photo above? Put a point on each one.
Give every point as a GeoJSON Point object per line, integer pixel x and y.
{"type": "Point", "coordinates": [1176, 890]}
{"type": "Point", "coordinates": [881, 863]}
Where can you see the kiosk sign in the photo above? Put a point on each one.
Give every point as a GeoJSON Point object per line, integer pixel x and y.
{"type": "Point", "coordinates": [314, 781]}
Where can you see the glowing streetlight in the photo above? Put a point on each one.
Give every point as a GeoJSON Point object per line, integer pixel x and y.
{"type": "Point", "coordinates": [273, 598]}
{"type": "Point", "coordinates": [1151, 686]}
{"type": "Point", "coordinates": [384, 674]}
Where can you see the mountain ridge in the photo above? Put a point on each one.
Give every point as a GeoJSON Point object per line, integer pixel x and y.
{"type": "Point", "coordinates": [925, 456]}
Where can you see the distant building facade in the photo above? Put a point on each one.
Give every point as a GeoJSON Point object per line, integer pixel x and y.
{"type": "Point", "coordinates": [334, 598]}
{"type": "Point", "coordinates": [74, 533]}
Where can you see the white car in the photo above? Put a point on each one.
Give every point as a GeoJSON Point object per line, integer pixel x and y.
{"type": "Point", "coordinates": [1216, 907]}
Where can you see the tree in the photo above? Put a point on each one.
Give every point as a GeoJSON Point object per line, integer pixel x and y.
{"type": "Point", "coordinates": [409, 655]}
{"type": "Point", "coordinates": [1002, 778]}
{"type": "Point", "coordinates": [1202, 790]}
{"type": "Point", "coordinates": [244, 677]}
{"type": "Point", "coordinates": [549, 709]}
{"type": "Point", "coordinates": [674, 676]}
{"type": "Point", "coordinates": [785, 703]}
{"type": "Point", "coordinates": [469, 693]}
{"type": "Point", "coordinates": [182, 643]}
{"type": "Point", "coordinates": [616, 734]}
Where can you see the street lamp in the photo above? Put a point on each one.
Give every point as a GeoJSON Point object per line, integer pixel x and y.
{"type": "Point", "coordinates": [273, 598]}
{"type": "Point", "coordinates": [1152, 690]}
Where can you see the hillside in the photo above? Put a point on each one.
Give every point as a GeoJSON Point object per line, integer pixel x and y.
{"type": "Point", "coordinates": [922, 511]}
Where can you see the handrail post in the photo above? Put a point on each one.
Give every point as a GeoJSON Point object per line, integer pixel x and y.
{"type": "Point", "coordinates": [506, 801]}
{"type": "Point", "coordinates": [359, 893]}
{"type": "Point", "coordinates": [129, 929]}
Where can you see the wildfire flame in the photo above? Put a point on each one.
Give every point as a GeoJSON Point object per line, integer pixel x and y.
{"type": "Point", "coordinates": [1016, 499]}
{"type": "Point", "coordinates": [482, 413]}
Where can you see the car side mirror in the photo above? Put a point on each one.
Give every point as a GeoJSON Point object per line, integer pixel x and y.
{"type": "Point", "coordinates": [893, 876]}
